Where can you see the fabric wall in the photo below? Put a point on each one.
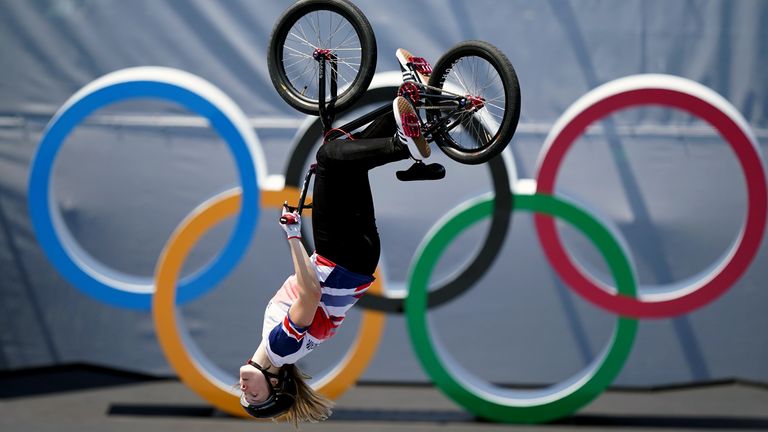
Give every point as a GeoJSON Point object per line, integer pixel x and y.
{"type": "Point", "coordinates": [127, 176]}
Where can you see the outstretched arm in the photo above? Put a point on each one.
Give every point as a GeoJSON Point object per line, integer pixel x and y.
{"type": "Point", "coordinates": [302, 311]}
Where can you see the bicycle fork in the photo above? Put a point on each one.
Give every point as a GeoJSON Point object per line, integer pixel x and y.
{"type": "Point", "coordinates": [326, 114]}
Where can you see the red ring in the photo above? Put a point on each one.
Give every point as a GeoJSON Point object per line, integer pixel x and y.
{"type": "Point", "coordinates": [737, 261]}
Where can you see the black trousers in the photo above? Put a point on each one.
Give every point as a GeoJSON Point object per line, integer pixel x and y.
{"type": "Point", "coordinates": [343, 217]}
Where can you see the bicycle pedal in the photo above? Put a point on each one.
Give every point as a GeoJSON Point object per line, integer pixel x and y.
{"type": "Point", "coordinates": [421, 171]}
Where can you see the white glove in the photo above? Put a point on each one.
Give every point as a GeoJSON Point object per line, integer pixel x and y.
{"type": "Point", "coordinates": [291, 223]}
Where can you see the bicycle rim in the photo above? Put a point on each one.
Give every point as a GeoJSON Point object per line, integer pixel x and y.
{"type": "Point", "coordinates": [320, 29]}
{"type": "Point", "coordinates": [477, 128]}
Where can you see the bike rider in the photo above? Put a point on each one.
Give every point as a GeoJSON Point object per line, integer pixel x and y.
{"type": "Point", "coordinates": [312, 303]}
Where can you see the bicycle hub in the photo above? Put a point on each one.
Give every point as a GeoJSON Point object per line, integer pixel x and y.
{"type": "Point", "coordinates": [475, 102]}
{"type": "Point", "coordinates": [322, 53]}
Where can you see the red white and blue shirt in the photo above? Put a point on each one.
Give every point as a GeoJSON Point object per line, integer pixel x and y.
{"type": "Point", "coordinates": [285, 341]}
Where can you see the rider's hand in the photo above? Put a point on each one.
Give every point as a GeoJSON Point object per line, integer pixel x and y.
{"type": "Point", "coordinates": [291, 223]}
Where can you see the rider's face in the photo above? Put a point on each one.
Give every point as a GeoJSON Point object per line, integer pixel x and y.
{"type": "Point", "coordinates": [253, 384]}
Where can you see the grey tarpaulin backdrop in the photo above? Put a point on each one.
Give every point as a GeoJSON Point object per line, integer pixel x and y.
{"type": "Point", "coordinates": [129, 175]}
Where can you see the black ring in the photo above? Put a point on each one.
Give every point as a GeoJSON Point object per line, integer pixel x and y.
{"type": "Point", "coordinates": [500, 222]}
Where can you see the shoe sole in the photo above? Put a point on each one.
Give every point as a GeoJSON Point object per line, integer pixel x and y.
{"type": "Point", "coordinates": [408, 123]}
{"type": "Point", "coordinates": [404, 57]}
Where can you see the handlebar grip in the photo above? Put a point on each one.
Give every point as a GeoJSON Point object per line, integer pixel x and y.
{"type": "Point", "coordinates": [289, 219]}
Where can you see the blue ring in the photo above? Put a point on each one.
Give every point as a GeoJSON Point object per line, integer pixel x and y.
{"type": "Point", "coordinates": [190, 287]}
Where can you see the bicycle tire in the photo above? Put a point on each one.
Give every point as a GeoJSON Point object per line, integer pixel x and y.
{"type": "Point", "coordinates": [349, 91]}
{"type": "Point", "coordinates": [507, 121]}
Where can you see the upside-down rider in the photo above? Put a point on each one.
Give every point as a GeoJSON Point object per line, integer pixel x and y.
{"type": "Point", "coordinates": [312, 303]}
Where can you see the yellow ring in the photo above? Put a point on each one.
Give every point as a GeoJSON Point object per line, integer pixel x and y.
{"type": "Point", "coordinates": [192, 370]}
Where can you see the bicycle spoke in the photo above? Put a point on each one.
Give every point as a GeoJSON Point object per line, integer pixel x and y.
{"type": "Point", "coordinates": [297, 51]}
{"type": "Point", "coordinates": [350, 64]}
{"type": "Point", "coordinates": [303, 33]}
{"type": "Point", "coordinates": [303, 73]}
{"type": "Point", "coordinates": [301, 60]}
{"type": "Point", "coordinates": [496, 99]}
{"type": "Point", "coordinates": [468, 126]}
{"type": "Point", "coordinates": [490, 83]}
{"type": "Point", "coordinates": [317, 16]}
{"type": "Point", "coordinates": [473, 90]}
{"type": "Point", "coordinates": [313, 31]}
{"type": "Point", "coordinates": [441, 90]}
{"type": "Point", "coordinates": [485, 132]}
{"type": "Point", "coordinates": [474, 129]}
{"type": "Point", "coordinates": [488, 77]}
{"type": "Point", "coordinates": [302, 40]}
{"type": "Point", "coordinates": [467, 82]}
{"type": "Point", "coordinates": [348, 39]}
{"type": "Point", "coordinates": [459, 78]}
{"type": "Point", "coordinates": [494, 105]}
{"type": "Point", "coordinates": [307, 65]}
{"type": "Point", "coordinates": [343, 22]}
{"type": "Point", "coordinates": [340, 75]}
{"type": "Point", "coordinates": [500, 117]}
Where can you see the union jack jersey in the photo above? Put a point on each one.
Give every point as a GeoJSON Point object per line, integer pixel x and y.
{"type": "Point", "coordinates": [285, 341]}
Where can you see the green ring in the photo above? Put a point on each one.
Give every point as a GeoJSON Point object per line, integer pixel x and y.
{"type": "Point", "coordinates": [540, 405]}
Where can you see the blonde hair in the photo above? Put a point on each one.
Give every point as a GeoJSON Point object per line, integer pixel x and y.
{"type": "Point", "coordinates": [310, 406]}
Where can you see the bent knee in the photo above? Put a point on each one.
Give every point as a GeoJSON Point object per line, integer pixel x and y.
{"type": "Point", "coordinates": [322, 154]}
{"type": "Point", "coordinates": [332, 153]}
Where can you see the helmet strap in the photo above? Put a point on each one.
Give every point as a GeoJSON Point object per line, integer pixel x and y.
{"type": "Point", "coordinates": [267, 374]}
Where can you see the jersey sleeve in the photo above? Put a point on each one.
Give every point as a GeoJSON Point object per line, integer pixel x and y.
{"type": "Point", "coordinates": [285, 341]}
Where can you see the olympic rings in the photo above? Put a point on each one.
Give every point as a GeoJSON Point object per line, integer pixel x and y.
{"type": "Point", "coordinates": [75, 264]}
{"type": "Point", "coordinates": [526, 406]}
{"type": "Point", "coordinates": [227, 119]}
{"type": "Point", "coordinates": [194, 369]}
{"type": "Point", "coordinates": [699, 101]}
{"type": "Point", "coordinates": [503, 175]}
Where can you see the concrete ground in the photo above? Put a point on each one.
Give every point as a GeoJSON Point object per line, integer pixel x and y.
{"type": "Point", "coordinates": [84, 401]}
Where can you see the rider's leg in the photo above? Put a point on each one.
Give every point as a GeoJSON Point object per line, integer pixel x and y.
{"type": "Point", "coordinates": [403, 121]}
{"type": "Point", "coordinates": [382, 127]}
{"type": "Point", "coordinates": [343, 218]}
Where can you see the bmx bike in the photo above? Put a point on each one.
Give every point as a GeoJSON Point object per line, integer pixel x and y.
{"type": "Point", "coordinates": [322, 57]}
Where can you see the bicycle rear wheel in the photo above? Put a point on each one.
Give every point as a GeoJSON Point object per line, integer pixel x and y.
{"type": "Point", "coordinates": [481, 129]}
{"type": "Point", "coordinates": [310, 26]}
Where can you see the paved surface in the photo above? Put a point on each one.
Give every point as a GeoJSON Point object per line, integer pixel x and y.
{"type": "Point", "coordinates": [54, 403]}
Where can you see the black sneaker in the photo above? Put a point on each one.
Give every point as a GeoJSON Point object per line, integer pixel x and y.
{"type": "Point", "coordinates": [422, 171]}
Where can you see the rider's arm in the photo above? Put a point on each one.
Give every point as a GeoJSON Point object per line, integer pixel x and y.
{"type": "Point", "coordinates": [302, 311]}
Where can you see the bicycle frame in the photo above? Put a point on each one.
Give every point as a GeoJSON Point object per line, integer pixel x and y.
{"type": "Point", "coordinates": [443, 124]}
{"type": "Point", "coordinates": [327, 114]}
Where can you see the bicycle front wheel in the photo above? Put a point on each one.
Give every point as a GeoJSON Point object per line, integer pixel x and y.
{"type": "Point", "coordinates": [482, 127]}
{"type": "Point", "coordinates": [334, 28]}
